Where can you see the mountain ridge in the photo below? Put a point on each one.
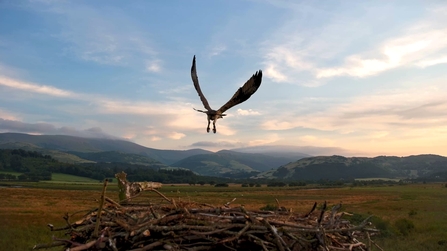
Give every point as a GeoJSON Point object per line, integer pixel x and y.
{"type": "Point", "coordinates": [270, 163]}
{"type": "Point", "coordinates": [67, 143]}
{"type": "Point", "coordinates": [340, 167]}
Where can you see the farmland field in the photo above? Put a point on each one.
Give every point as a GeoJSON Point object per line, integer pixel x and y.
{"type": "Point", "coordinates": [25, 212]}
{"type": "Point", "coordinates": [61, 177]}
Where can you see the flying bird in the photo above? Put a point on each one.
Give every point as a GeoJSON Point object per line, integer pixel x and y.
{"type": "Point", "coordinates": [241, 95]}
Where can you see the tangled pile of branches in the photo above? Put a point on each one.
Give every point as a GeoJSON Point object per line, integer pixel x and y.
{"type": "Point", "coordinates": [177, 225]}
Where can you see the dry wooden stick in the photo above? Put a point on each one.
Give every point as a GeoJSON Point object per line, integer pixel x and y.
{"type": "Point", "coordinates": [229, 202]}
{"type": "Point", "coordinates": [311, 211]}
{"type": "Point", "coordinates": [83, 246]}
{"type": "Point", "coordinates": [278, 238]}
{"type": "Point", "coordinates": [49, 245]}
{"type": "Point", "coordinates": [277, 203]}
{"type": "Point", "coordinates": [101, 204]}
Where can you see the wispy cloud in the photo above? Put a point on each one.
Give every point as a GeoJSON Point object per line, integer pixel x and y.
{"type": "Point", "coordinates": [248, 112]}
{"type": "Point", "coordinates": [178, 90]}
{"type": "Point", "coordinates": [406, 50]}
{"type": "Point", "coordinates": [266, 139]}
{"type": "Point", "coordinates": [36, 88]}
{"type": "Point", "coordinates": [153, 66]}
{"type": "Point", "coordinates": [432, 61]}
{"type": "Point", "coordinates": [217, 50]}
{"type": "Point", "coordinates": [294, 55]}
{"type": "Point", "coordinates": [316, 140]}
{"type": "Point", "coordinates": [176, 135]}
{"type": "Point", "coordinates": [102, 34]}
{"type": "Point", "coordinates": [7, 115]}
{"type": "Point", "coordinates": [403, 109]}
{"type": "Point", "coordinates": [172, 118]}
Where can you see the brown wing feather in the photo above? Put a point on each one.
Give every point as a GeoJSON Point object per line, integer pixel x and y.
{"type": "Point", "coordinates": [244, 92]}
{"type": "Point", "coordinates": [195, 80]}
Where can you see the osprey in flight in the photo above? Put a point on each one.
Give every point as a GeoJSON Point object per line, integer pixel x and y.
{"type": "Point", "coordinates": [241, 95]}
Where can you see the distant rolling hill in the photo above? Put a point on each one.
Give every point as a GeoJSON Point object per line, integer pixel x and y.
{"type": "Point", "coordinates": [339, 167]}
{"type": "Point", "coordinates": [214, 165]}
{"type": "Point", "coordinates": [272, 162]}
{"type": "Point", "coordinates": [113, 156]}
{"type": "Point", "coordinates": [258, 161]}
{"type": "Point", "coordinates": [230, 164]}
{"type": "Point", "coordinates": [58, 155]}
{"type": "Point", "coordinates": [298, 152]}
{"type": "Point", "coordinates": [291, 152]}
{"type": "Point", "coordinates": [65, 143]}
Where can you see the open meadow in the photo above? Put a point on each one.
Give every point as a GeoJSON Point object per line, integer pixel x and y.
{"type": "Point", "coordinates": [411, 217]}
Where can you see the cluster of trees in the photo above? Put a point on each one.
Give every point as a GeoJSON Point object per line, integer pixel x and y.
{"type": "Point", "coordinates": [32, 154]}
{"type": "Point", "coordinates": [32, 165]}
{"type": "Point", "coordinates": [7, 176]}
{"type": "Point", "coordinates": [375, 182]}
{"type": "Point", "coordinates": [35, 176]}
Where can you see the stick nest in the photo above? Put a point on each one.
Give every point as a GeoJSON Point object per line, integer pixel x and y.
{"type": "Point", "coordinates": [177, 225]}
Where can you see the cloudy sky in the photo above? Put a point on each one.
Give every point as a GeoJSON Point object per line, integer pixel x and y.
{"type": "Point", "coordinates": [366, 76]}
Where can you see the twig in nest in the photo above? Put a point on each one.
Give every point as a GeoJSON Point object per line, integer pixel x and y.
{"type": "Point", "coordinates": [49, 245]}
{"type": "Point", "coordinates": [277, 203]}
{"type": "Point", "coordinates": [311, 211]}
{"type": "Point", "coordinates": [279, 241]}
{"type": "Point", "coordinates": [229, 202]}
{"type": "Point", "coordinates": [101, 204]}
{"type": "Point", "coordinates": [322, 214]}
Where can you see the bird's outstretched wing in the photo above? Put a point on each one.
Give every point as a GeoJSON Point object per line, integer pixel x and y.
{"type": "Point", "coordinates": [244, 92]}
{"type": "Point", "coordinates": [195, 80]}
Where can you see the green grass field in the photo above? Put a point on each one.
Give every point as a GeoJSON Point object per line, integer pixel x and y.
{"type": "Point", "coordinates": [25, 212]}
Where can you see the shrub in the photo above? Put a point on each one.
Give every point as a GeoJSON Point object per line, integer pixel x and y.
{"type": "Point", "coordinates": [221, 185]}
{"type": "Point", "coordinates": [383, 226]}
{"type": "Point", "coordinates": [276, 184]}
{"type": "Point", "coordinates": [297, 183]}
{"type": "Point", "coordinates": [412, 212]}
{"type": "Point", "coordinates": [404, 226]}
{"type": "Point", "coordinates": [269, 207]}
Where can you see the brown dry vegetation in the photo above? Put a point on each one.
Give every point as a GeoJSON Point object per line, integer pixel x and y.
{"type": "Point", "coordinates": [24, 212]}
